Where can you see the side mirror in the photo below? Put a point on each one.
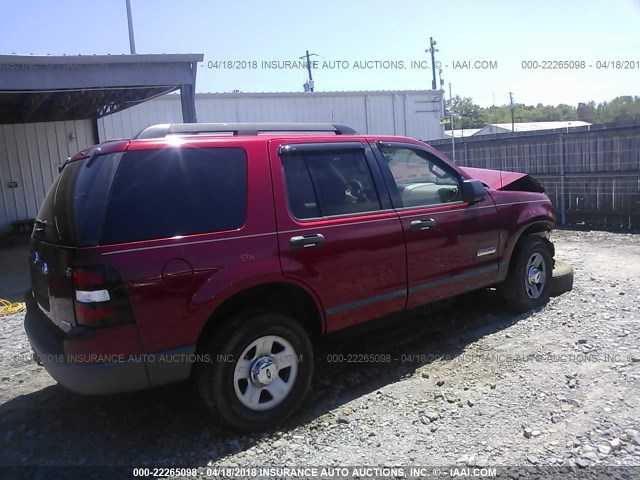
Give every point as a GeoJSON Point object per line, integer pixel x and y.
{"type": "Point", "coordinates": [473, 191]}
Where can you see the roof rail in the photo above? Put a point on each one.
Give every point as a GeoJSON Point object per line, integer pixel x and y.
{"type": "Point", "coordinates": [166, 129]}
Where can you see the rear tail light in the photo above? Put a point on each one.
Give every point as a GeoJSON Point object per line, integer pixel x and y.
{"type": "Point", "coordinates": [100, 299]}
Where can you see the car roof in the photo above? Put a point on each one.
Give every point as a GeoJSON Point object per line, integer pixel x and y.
{"type": "Point", "coordinates": [161, 135]}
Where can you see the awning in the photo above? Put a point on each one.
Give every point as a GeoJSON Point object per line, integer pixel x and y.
{"type": "Point", "coordinates": [48, 88]}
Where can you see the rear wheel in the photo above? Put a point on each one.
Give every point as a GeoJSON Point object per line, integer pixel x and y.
{"type": "Point", "coordinates": [527, 283]}
{"type": "Point", "coordinates": [259, 371]}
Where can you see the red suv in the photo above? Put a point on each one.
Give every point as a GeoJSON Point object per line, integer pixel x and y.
{"type": "Point", "coordinates": [220, 251]}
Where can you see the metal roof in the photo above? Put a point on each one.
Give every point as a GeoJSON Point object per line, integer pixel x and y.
{"type": "Point", "coordinates": [531, 126]}
{"type": "Point", "coordinates": [346, 93]}
{"type": "Point", "coordinates": [462, 132]}
{"type": "Point", "coordinates": [74, 87]}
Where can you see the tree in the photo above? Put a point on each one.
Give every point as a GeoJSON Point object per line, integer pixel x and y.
{"type": "Point", "coordinates": [466, 114]}
{"type": "Point", "coordinates": [623, 109]}
{"type": "Point", "coordinates": [587, 112]}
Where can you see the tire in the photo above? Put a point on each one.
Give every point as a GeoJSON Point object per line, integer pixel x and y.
{"type": "Point", "coordinates": [528, 281]}
{"type": "Point", "coordinates": [562, 281]}
{"type": "Point", "coordinates": [259, 371]}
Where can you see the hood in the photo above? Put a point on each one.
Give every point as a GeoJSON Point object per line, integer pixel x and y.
{"type": "Point", "coordinates": [503, 180]}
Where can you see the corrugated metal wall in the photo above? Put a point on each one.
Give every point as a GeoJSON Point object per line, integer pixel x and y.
{"type": "Point", "coordinates": [29, 155]}
{"type": "Point", "coordinates": [412, 113]}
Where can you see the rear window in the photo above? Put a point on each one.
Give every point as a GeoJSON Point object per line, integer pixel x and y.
{"type": "Point", "coordinates": [174, 192]}
{"type": "Point", "coordinates": [73, 210]}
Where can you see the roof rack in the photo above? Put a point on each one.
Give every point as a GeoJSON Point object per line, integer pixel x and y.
{"type": "Point", "coordinates": [166, 129]}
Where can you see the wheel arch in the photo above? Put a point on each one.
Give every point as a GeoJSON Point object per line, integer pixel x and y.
{"type": "Point", "coordinates": [538, 228]}
{"type": "Point", "coordinates": [281, 296]}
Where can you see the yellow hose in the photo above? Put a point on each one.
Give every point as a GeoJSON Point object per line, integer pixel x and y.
{"type": "Point", "coordinates": [8, 308]}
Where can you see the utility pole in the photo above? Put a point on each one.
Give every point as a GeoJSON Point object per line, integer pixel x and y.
{"type": "Point", "coordinates": [308, 86]}
{"type": "Point", "coordinates": [513, 121]}
{"type": "Point", "coordinates": [441, 88]}
{"type": "Point", "coordinates": [132, 40]}
{"type": "Point", "coordinates": [433, 51]}
{"type": "Point", "coordinates": [453, 138]}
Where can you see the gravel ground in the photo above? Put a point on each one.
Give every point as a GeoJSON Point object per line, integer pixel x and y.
{"type": "Point", "coordinates": [466, 385]}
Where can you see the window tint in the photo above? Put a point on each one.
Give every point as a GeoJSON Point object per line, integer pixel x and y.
{"type": "Point", "coordinates": [171, 192]}
{"type": "Point", "coordinates": [74, 208]}
{"type": "Point", "coordinates": [56, 216]}
{"type": "Point", "coordinates": [419, 178]}
{"type": "Point", "coordinates": [301, 196]}
{"type": "Point", "coordinates": [329, 183]}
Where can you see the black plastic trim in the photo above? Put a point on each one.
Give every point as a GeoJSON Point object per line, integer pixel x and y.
{"type": "Point", "coordinates": [366, 301]}
{"type": "Point", "coordinates": [293, 148]}
{"type": "Point", "coordinates": [48, 343]}
{"type": "Point", "coordinates": [454, 278]}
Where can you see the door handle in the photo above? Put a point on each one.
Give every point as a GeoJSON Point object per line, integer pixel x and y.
{"type": "Point", "coordinates": [306, 241]}
{"type": "Point", "coordinates": [419, 225]}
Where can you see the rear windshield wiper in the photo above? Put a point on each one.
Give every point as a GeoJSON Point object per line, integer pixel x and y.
{"type": "Point", "coordinates": [40, 225]}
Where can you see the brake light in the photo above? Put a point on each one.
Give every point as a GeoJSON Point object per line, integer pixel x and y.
{"type": "Point", "coordinates": [100, 298]}
{"type": "Point", "coordinates": [84, 279]}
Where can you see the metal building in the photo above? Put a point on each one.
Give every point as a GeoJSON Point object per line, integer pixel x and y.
{"type": "Point", "coordinates": [49, 106]}
{"type": "Point", "coordinates": [412, 113]}
{"type": "Point", "coordinates": [31, 152]}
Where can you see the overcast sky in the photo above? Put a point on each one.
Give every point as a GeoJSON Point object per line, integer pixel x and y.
{"type": "Point", "coordinates": [503, 34]}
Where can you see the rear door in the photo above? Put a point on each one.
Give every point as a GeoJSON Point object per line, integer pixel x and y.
{"type": "Point", "coordinates": [70, 216]}
{"type": "Point", "coordinates": [337, 231]}
{"type": "Point", "coordinates": [451, 245]}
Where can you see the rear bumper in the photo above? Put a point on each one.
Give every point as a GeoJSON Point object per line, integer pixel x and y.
{"type": "Point", "coordinates": [48, 342]}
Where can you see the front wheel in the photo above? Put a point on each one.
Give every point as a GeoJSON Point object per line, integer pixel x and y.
{"type": "Point", "coordinates": [529, 277]}
{"type": "Point", "coordinates": [258, 371]}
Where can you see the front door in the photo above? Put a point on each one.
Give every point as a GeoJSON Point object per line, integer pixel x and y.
{"type": "Point", "coordinates": [452, 247]}
{"type": "Point", "coordinates": [338, 234]}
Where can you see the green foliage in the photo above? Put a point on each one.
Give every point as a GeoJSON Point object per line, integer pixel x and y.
{"type": "Point", "coordinates": [624, 109]}
{"type": "Point", "coordinates": [466, 113]}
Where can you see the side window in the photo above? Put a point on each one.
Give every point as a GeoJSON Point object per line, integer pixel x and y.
{"type": "Point", "coordinates": [176, 191]}
{"type": "Point", "coordinates": [301, 196]}
{"type": "Point", "coordinates": [419, 179]}
{"type": "Point", "coordinates": [322, 184]}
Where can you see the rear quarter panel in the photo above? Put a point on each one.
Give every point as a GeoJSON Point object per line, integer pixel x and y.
{"type": "Point", "coordinates": [175, 284]}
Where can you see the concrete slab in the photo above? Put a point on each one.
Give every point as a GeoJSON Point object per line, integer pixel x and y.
{"type": "Point", "coordinates": [15, 279]}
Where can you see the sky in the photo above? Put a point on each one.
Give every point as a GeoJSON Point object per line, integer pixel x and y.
{"type": "Point", "coordinates": [486, 49]}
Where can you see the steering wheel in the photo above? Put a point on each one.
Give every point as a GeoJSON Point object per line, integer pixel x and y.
{"type": "Point", "coordinates": [356, 190]}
